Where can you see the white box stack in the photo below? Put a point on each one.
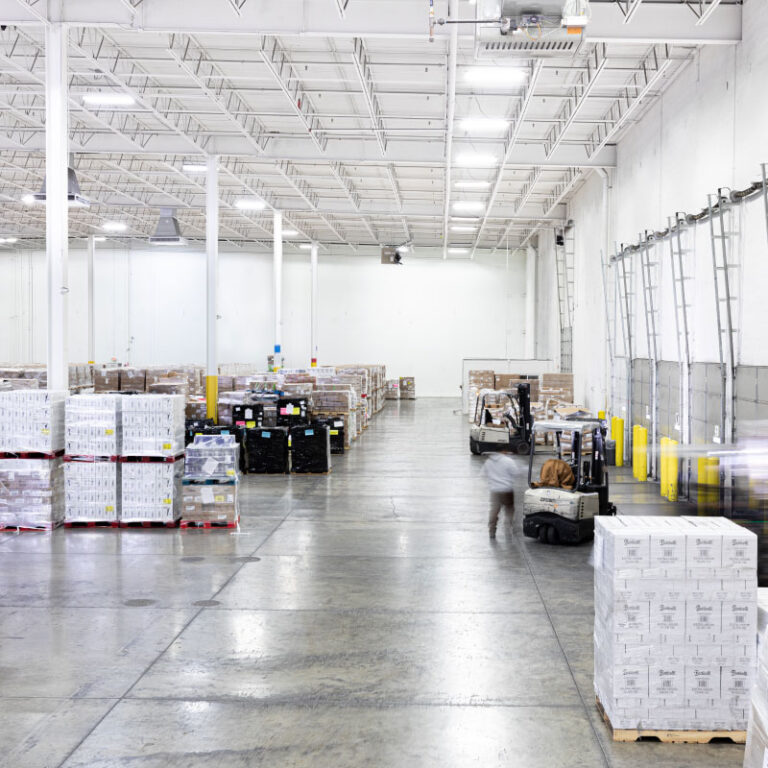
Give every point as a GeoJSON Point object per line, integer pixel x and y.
{"type": "Point", "coordinates": [153, 425]}
{"type": "Point", "coordinates": [151, 491]}
{"type": "Point", "coordinates": [756, 753]}
{"type": "Point", "coordinates": [675, 622]}
{"type": "Point", "coordinates": [93, 425]}
{"type": "Point", "coordinates": [32, 421]}
{"type": "Point", "coordinates": [91, 491]}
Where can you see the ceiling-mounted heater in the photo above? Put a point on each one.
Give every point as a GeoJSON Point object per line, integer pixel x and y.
{"type": "Point", "coordinates": [529, 28]}
{"type": "Point", "coordinates": [74, 198]}
{"type": "Point", "coordinates": [168, 231]}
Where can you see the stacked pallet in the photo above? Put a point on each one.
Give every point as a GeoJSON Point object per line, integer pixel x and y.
{"type": "Point", "coordinates": [557, 386]}
{"type": "Point", "coordinates": [757, 729]}
{"type": "Point", "coordinates": [393, 389]}
{"type": "Point", "coordinates": [477, 380]}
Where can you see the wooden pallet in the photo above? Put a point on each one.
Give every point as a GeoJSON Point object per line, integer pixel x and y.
{"type": "Point", "coordinates": [669, 737]}
{"type": "Point", "coordinates": [210, 524]}
{"type": "Point", "coordinates": [91, 523]}
{"type": "Point", "coordinates": [143, 524]}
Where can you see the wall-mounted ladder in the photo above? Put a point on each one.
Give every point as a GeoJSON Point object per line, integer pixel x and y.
{"type": "Point", "coordinates": [764, 168]}
{"type": "Point", "coordinates": [724, 265]}
{"type": "Point", "coordinates": [649, 275]}
{"type": "Point", "coordinates": [564, 263]}
{"type": "Point", "coordinates": [682, 322]}
{"type": "Point", "coordinates": [625, 286]}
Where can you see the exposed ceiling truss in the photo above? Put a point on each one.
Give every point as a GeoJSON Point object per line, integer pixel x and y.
{"type": "Point", "coordinates": [339, 113]}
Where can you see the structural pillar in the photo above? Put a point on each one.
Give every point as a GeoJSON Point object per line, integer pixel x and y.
{"type": "Point", "coordinates": [530, 303]}
{"type": "Point", "coordinates": [277, 273]}
{"type": "Point", "coordinates": [91, 312]}
{"type": "Point", "coordinates": [211, 286]}
{"type": "Point", "coordinates": [56, 205]}
{"type": "Point", "coordinates": [313, 333]}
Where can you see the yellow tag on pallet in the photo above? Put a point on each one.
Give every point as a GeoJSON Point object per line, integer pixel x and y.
{"type": "Point", "coordinates": [109, 431]}
{"type": "Point", "coordinates": [250, 424]}
{"type": "Point", "coordinates": [297, 411]}
{"type": "Point", "coordinates": [334, 431]}
{"type": "Point", "coordinates": [167, 501]}
{"type": "Point", "coordinates": [109, 509]}
{"type": "Point", "coordinates": [166, 446]}
{"type": "Point", "coordinates": [231, 472]}
{"type": "Point", "coordinates": [219, 499]}
{"type": "Point", "coordinates": [46, 431]}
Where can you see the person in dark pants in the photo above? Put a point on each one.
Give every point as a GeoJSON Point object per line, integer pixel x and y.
{"type": "Point", "coordinates": [499, 471]}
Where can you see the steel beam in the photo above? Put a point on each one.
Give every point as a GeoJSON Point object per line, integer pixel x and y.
{"type": "Point", "coordinates": [363, 69]}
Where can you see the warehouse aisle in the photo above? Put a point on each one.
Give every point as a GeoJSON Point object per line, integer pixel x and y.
{"type": "Point", "coordinates": [359, 618]}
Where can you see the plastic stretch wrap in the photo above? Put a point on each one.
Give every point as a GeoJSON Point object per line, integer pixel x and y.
{"type": "Point", "coordinates": [32, 420]}
{"type": "Point", "coordinates": [393, 389]}
{"type": "Point", "coordinates": [93, 425]}
{"type": "Point", "coordinates": [310, 449]}
{"type": "Point", "coordinates": [210, 503]}
{"type": "Point", "coordinates": [153, 425]}
{"type": "Point", "coordinates": [212, 457]}
{"type": "Point", "coordinates": [675, 622]}
{"type": "Point", "coordinates": [31, 492]}
{"type": "Point", "coordinates": [226, 401]}
{"type": "Point", "coordinates": [151, 492]}
{"type": "Point", "coordinates": [267, 450]}
{"type": "Point", "coordinates": [92, 491]}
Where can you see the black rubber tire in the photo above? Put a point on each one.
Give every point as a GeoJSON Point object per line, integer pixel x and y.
{"type": "Point", "coordinates": [474, 448]}
{"type": "Point", "coordinates": [522, 449]}
{"type": "Point", "coordinates": [543, 534]}
{"type": "Point", "coordinates": [553, 537]}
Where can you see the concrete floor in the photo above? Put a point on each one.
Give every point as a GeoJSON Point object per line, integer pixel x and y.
{"type": "Point", "coordinates": [357, 619]}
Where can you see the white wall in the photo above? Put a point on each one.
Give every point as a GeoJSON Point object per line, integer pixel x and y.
{"type": "Point", "coordinates": [708, 130]}
{"type": "Point", "coordinates": [419, 320]}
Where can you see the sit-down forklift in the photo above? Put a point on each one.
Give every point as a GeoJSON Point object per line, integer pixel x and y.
{"type": "Point", "coordinates": [503, 421]}
{"type": "Point", "coordinates": [559, 515]}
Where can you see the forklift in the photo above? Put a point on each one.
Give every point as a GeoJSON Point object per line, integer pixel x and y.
{"type": "Point", "coordinates": [557, 515]}
{"type": "Point", "coordinates": [510, 429]}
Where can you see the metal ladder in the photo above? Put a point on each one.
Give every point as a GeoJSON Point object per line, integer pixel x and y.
{"type": "Point", "coordinates": [649, 275]}
{"type": "Point", "coordinates": [679, 280]}
{"type": "Point", "coordinates": [625, 297]}
{"type": "Point", "coordinates": [721, 224]}
{"type": "Point", "coordinates": [564, 263]}
{"type": "Point", "coordinates": [610, 331]}
{"type": "Point", "coordinates": [764, 169]}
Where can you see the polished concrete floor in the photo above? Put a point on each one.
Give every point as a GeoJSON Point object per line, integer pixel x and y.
{"type": "Point", "coordinates": [357, 619]}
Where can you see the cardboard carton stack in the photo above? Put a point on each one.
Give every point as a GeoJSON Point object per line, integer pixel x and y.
{"type": "Point", "coordinates": [32, 421]}
{"type": "Point", "coordinates": [675, 622]}
{"type": "Point", "coordinates": [511, 380]}
{"type": "Point", "coordinates": [31, 494]}
{"type": "Point", "coordinates": [478, 380]}
{"type": "Point", "coordinates": [557, 386]}
{"type": "Point", "coordinates": [153, 425]}
{"type": "Point", "coordinates": [211, 479]}
{"type": "Point", "coordinates": [393, 389]}
{"type": "Point", "coordinates": [756, 752]}
{"type": "Point", "coordinates": [106, 380]}
{"type": "Point", "coordinates": [151, 491]}
{"type": "Point", "coordinates": [407, 388]}
{"type": "Point", "coordinates": [91, 490]}
{"type": "Point", "coordinates": [93, 425]}
{"type": "Point", "coordinates": [133, 380]}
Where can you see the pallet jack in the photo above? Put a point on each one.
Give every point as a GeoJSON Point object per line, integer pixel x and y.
{"type": "Point", "coordinates": [511, 430]}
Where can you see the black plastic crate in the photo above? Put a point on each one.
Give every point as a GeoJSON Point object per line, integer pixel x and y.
{"type": "Point", "coordinates": [267, 450]}
{"type": "Point", "coordinates": [310, 449]}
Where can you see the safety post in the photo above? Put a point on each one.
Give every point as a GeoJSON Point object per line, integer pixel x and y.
{"type": "Point", "coordinates": [635, 446]}
{"type": "Point", "coordinates": [664, 449]}
{"type": "Point", "coordinates": [673, 470]}
{"type": "Point", "coordinates": [709, 482]}
{"type": "Point", "coordinates": [617, 433]}
{"type": "Point", "coordinates": [641, 453]}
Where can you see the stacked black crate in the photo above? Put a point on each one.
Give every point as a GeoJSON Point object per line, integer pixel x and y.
{"type": "Point", "coordinates": [310, 449]}
{"type": "Point", "coordinates": [336, 427]}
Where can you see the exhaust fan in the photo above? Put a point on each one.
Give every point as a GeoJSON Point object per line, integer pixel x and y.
{"type": "Point", "coordinates": [168, 231]}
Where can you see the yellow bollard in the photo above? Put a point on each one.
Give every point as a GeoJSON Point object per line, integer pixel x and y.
{"type": "Point", "coordinates": [635, 445]}
{"type": "Point", "coordinates": [618, 436]}
{"type": "Point", "coordinates": [211, 397]}
{"type": "Point", "coordinates": [663, 480]}
{"type": "Point", "coordinates": [709, 482]}
{"type": "Point", "coordinates": [673, 470]}
{"type": "Point", "coordinates": [601, 415]}
{"type": "Point", "coordinates": [641, 454]}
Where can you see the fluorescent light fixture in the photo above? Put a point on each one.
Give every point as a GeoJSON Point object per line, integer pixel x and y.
{"type": "Point", "coordinates": [114, 226]}
{"type": "Point", "coordinates": [476, 158]}
{"type": "Point", "coordinates": [462, 228]}
{"type": "Point", "coordinates": [468, 206]}
{"type": "Point", "coordinates": [472, 219]}
{"type": "Point", "coordinates": [28, 199]}
{"type": "Point", "coordinates": [458, 250]}
{"type": "Point", "coordinates": [250, 204]}
{"type": "Point", "coordinates": [290, 233]}
{"type": "Point", "coordinates": [109, 99]}
{"type": "Point", "coordinates": [100, 239]}
{"type": "Point", "coordinates": [8, 240]}
{"type": "Point", "coordinates": [472, 184]}
{"type": "Point", "coordinates": [484, 124]}
{"type": "Point", "coordinates": [305, 247]}
{"type": "Point", "coordinates": [194, 167]}
{"type": "Point", "coordinates": [495, 77]}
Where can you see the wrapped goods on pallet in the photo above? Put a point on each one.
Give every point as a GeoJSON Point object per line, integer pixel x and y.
{"type": "Point", "coordinates": [151, 491]}
{"type": "Point", "coordinates": [106, 379]}
{"type": "Point", "coordinates": [558, 385]}
{"type": "Point", "coordinates": [226, 383]}
{"type": "Point", "coordinates": [407, 388]}
{"type": "Point", "coordinates": [217, 504]}
{"type": "Point", "coordinates": [238, 369]}
{"type": "Point", "coordinates": [153, 425]}
{"type": "Point", "coordinates": [477, 380]}
{"type": "Point", "coordinates": [212, 457]}
{"type": "Point", "coordinates": [177, 386]}
{"type": "Point", "coordinates": [80, 375]}
{"type": "Point", "coordinates": [336, 431]}
{"type": "Point", "coordinates": [299, 378]}
{"type": "Point", "coordinates": [91, 490]}
{"type": "Point", "coordinates": [196, 408]}
{"type": "Point", "coordinates": [292, 411]}
{"type": "Point", "coordinates": [297, 389]}
{"type": "Point", "coordinates": [261, 382]}
{"type": "Point", "coordinates": [675, 622]}
{"type": "Point", "coordinates": [310, 449]}
{"type": "Point", "coordinates": [93, 425]}
{"type": "Point", "coordinates": [21, 384]}
{"type": "Point", "coordinates": [133, 380]}
{"type": "Point", "coordinates": [267, 450]}
{"type": "Point", "coordinates": [511, 380]}
{"type": "Point", "coordinates": [32, 421]}
{"type": "Point", "coordinates": [393, 389]}
{"type": "Point", "coordinates": [224, 406]}
{"type": "Point", "coordinates": [31, 493]}
{"type": "Point", "coordinates": [757, 730]}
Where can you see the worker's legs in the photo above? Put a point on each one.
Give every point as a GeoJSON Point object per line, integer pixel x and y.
{"type": "Point", "coordinates": [508, 502]}
{"type": "Point", "coordinates": [493, 517]}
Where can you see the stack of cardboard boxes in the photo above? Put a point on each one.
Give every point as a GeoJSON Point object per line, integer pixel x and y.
{"type": "Point", "coordinates": [211, 481]}
{"type": "Point", "coordinates": [756, 754]}
{"type": "Point", "coordinates": [675, 622]}
{"type": "Point", "coordinates": [479, 380]}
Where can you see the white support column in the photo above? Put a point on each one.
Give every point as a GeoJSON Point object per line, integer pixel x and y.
{"type": "Point", "coordinates": [211, 285]}
{"type": "Point", "coordinates": [530, 303]}
{"type": "Point", "coordinates": [277, 274]}
{"type": "Point", "coordinates": [56, 207]}
{"type": "Point", "coordinates": [313, 334]}
{"type": "Point", "coordinates": [91, 311]}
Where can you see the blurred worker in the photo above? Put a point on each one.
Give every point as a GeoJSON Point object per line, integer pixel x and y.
{"type": "Point", "coordinates": [499, 470]}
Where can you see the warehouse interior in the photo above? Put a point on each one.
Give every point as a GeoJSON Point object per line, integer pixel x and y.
{"type": "Point", "coordinates": [282, 283]}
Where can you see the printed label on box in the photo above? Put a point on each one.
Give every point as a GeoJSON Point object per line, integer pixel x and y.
{"type": "Point", "coordinates": [166, 446]}
{"type": "Point", "coordinates": [210, 466]}
{"type": "Point", "coordinates": [338, 423]}
{"type": "Point", "coordinates": [309, 432]}
{"type": "Point", "coordinates": [266, 435]}
{"type": "Point", "coordinates": [296, 411]}
{"type": "Point", "coordinates": [250, 424]}
{"type": "Point", "coordinates": [206, 495]}
{"type": "Point", "coordinates": [334, 432]}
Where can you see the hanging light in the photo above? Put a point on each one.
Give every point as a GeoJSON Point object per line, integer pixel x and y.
{"type": "Point", "coordinates": [74, 198]}
{"type": "Point", "coordinates": [168, 231]}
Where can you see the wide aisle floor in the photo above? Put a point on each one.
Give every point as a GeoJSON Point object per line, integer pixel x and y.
{"type": "Point", "coordinates": [357, 619]}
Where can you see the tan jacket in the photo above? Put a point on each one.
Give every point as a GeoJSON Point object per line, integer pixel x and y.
{"type": "Point", "coordinates": [555, 473]}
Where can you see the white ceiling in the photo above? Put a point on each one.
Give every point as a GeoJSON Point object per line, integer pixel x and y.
{"type": "Point", "coordinates": [341, 124]}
